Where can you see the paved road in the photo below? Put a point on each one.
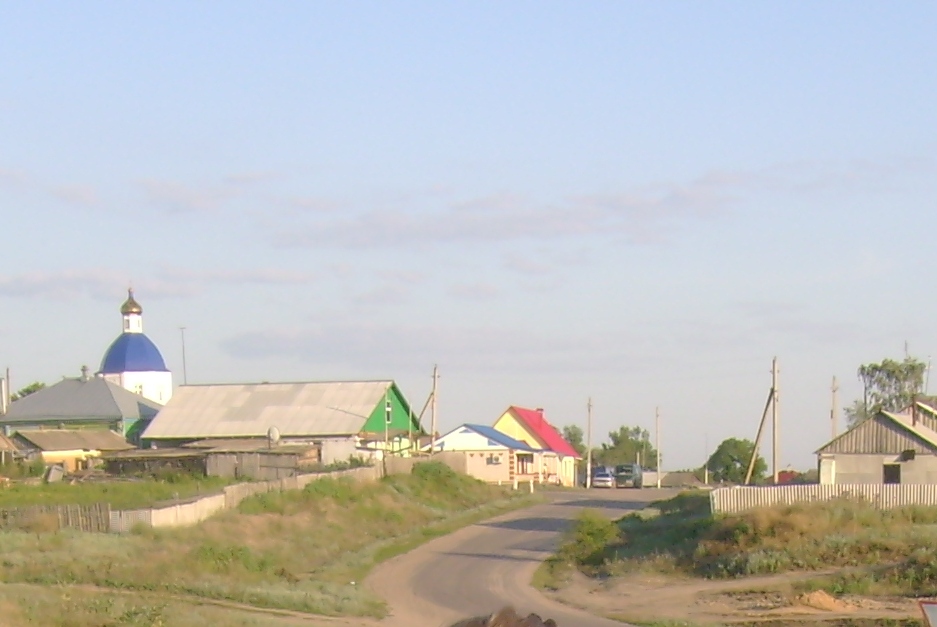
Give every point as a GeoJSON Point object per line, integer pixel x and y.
{"type": "Point", "coordinates": [481, 568]}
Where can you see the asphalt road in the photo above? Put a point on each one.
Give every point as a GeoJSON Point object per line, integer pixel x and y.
{"type": "Point", "coordinates": [482, 568]}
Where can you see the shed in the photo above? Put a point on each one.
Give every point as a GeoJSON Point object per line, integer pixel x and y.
{"type": "Point", "coordinates": [8, 449]}
{"type": "Point", "coordinates": [886, 448]}
{"type": "Point", "coordinates": [73, 449]}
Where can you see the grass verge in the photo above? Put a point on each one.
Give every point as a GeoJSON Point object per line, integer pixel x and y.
{"type": "Point", "coordinates": [679, 536]}
{"type": "Point", "coordinates": [303, 550]}
{"type": "Point", "coordinates": [23, 606]}
{"type": "Point", "coordinates": [125, 494]}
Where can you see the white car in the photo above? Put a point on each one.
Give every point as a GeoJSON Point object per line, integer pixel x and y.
{"type": "Point", "coordinates": [602, 478]}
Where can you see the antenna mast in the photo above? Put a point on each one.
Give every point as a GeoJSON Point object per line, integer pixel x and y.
{"type": "Point", "coordinates": [834, 410]}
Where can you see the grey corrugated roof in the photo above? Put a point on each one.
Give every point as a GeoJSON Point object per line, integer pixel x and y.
{"type": "Point", "coordinates": [94, 398]}
{"type": "Point", "coordinates": [70, 440]}
{"type": "Point", "coordinates": [869, 436]}
{"type": "Point", "coordinates": [249, 410]}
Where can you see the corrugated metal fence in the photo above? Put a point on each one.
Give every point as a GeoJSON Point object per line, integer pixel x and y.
{"type": "Point", "coordinates": [197, 510]}
{"type": "Point", "coordinates": [739, 499]}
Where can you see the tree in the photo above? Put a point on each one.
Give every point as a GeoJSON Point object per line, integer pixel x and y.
{"type": "Point", "coordinates": [856, 413]}
{"type": "Point", "coordinates": [887, 386]}
{"type": "Point", "coordinates": [573, 434]}
{"type": "Point", "coordinates": [32, 388]}
{"type": "Point", "coordinates": [729, 462]}
{"type": "Point", "coordinates": [624, 447]}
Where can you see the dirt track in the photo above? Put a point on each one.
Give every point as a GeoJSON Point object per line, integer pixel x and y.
{"type": "Point", "coordinates": [483, 567]}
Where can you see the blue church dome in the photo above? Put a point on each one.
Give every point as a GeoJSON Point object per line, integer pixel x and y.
{"type": "Point", "coordinates": [132, 352]}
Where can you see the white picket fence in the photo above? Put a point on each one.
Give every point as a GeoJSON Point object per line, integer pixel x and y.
{"type": "Point", "coordinates": [884, 496]}
{"type": "Point", "coordinates": [197, 510]}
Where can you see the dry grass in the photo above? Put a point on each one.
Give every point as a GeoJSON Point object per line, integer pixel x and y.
{"type": "Point", "coordinates": [302, 550]}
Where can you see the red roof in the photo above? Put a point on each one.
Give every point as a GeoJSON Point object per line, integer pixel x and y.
{"type": "Point", "coordinates": [534, 420]}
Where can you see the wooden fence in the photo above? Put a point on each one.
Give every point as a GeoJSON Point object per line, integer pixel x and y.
{"type": "Point", "coordinates": [883, 496]}
{"type": "Point", "coordinates": [94, 518]}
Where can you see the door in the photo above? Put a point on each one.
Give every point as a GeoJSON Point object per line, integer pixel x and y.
{"type": "Point", "coordinates": [891, 473]}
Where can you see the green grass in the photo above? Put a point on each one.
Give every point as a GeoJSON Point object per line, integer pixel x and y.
{"type": "Point", "coordinates": [302, 550]}
{"type": "Point", "coordinates": [679, 536]}
{"type": "Point", "coordinates": [912, 576]}
{"type": "Point", "coordinates": [126, 494]}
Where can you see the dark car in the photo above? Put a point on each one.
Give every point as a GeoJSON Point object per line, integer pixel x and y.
{"type": "Point", "coordinates": [629, 476]}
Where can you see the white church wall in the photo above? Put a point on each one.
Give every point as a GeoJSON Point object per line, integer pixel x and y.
{"type": "Point", "coordinates": [156, 386]}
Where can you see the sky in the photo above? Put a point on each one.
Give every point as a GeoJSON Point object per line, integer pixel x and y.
{"type": "Point", "coordinates": [638, 203]}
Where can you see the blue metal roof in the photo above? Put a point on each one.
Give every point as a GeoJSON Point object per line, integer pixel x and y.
{"type": "Point", "coordinates": [132, 352]}
{"type": "Point", "coordinates": [504, 440]}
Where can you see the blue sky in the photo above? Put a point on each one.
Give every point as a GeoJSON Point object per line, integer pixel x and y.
{"type": "Point", "coordinates": [641, 202]}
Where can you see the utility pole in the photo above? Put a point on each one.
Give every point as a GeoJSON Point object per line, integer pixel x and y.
{"type": "Point", "coordinates": [834, 410]}
{"type": "Point", "coordinates": [657, 429]}
{"type": "Point", "coordinates": [432, 446]}
{"type": "Point", "coordinates": [185, 376]}
{"type": "Point", "coordinates": [388, 416]}
{"type": "Point", "coordinates": [706, 460]}
{"type": "Point", "coordinates": [589, 443]}
{"type": "Point", "coordinates": [774, 418]}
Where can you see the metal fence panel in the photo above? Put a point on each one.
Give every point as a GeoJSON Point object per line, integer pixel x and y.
{"type": "Point", "coordinates": [884, 496]}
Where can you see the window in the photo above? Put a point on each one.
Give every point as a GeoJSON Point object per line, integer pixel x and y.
{"type": "Point", "coordinates": [891, 473]}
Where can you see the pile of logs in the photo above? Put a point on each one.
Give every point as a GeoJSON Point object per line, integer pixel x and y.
{"type": "Point", "coordinates": [506, 618]}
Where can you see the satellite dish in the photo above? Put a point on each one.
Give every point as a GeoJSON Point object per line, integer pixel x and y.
{"type": "Point", "coordinates": [273, 436]}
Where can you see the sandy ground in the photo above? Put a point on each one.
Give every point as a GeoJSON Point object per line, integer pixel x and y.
{"type": "Point", "coordinates": [647, 598]}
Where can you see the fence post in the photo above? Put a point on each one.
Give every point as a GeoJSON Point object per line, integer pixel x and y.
{"type": "Point", "coordinates": [531, 486]}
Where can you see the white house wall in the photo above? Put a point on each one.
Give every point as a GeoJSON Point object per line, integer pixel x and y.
{"type": "Point", "coordinates": [855, 468]}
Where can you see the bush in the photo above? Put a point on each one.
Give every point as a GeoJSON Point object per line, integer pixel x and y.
{"type": "Point", "coordinates": [437, 472]}
{"type": "Point", "coordinates": [591, 537]}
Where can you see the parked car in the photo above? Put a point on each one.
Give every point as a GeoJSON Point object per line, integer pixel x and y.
{"type": "Point", "coordinates": [603, 478]}
{"type": "Point", "coordinates": [629, 476]}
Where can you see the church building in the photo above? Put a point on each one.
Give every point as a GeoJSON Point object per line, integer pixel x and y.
{"type": "Point", "coordinates": [133, 362]}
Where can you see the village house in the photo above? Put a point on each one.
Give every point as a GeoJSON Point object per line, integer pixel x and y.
{"type": "Point", "coordinates": [342, 418]}
{"type": "Point", "coordinates": [491, 455]}
{"type": "Point", "coordinates": [84, 402]}
{"type": "Point", "coordinates": [889, 447]}
{"type": "Point", "coordinates": [557, 459]}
